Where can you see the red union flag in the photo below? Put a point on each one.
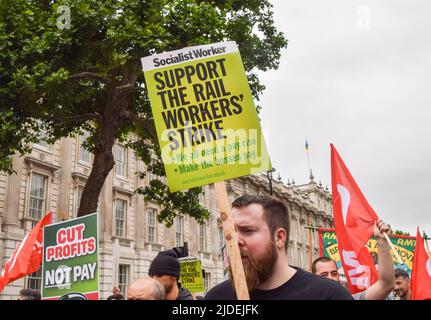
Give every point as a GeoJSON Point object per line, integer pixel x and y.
{"type": "Point", "coordinates": [421, 272]}
{"type": "Point", "coordinates": [354, 222]}
{"type": "Point", "coordinates": [27, 256]}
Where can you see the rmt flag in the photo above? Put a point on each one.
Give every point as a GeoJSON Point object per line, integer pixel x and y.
{"type": "Point", "coordinates": [27, 256]}
{"type": "Point", "coordinates": [421, 272]}
{"type": "Point", "coordinates": [354, 223]}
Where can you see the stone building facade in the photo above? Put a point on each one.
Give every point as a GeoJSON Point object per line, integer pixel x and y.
{"type": "Point", "coordinates": [52, 178]}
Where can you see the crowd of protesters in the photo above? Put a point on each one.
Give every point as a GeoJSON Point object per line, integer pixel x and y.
{"type": "Point", "coordinates": [262, 225]}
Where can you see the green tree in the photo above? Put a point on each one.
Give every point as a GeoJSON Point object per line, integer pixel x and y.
{"type": "Point", "coordinates": [401, 233]}
{"type": "Point", "coordinates": [86, 75]}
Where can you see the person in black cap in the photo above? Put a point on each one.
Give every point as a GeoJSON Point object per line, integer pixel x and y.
{"type": "Point", "coordinates": [166, 268]}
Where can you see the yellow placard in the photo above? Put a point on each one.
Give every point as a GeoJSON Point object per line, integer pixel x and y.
{"type": "Point", "coordinates": [206, 121]}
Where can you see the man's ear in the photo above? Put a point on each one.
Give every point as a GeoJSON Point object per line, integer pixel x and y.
{"type": "Point", "coordinates": [280, 237]}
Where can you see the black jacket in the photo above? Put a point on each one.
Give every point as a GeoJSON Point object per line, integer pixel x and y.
{"type": "Point", "coordinates": [184, 294]}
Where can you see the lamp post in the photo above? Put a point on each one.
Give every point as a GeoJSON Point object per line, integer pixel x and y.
{"type": "Point", "coordinates": [269, 174]}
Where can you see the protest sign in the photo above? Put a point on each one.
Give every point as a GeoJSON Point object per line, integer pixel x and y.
{"type": "Point", "coordinates": [404, 245]}
{"type": "Point", "coordinates": [70, 260]}
{"type": "Point", "coordinates": [206, 121]}
{"type": "Point", "coordinates": [191, 276]}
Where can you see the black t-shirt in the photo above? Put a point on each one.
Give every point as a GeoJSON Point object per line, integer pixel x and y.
{"type": "Point", "coordinates": [302, 286]}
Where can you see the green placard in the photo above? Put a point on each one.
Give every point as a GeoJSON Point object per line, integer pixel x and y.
{"type": "Point", "coordinates": [206, 121]}
{"type": "Point", "coordinates": [404, 245]}
{"type": "Point", "coordinates": [191, 276]}
{"type": "Point", "coordinates": [70, 260]}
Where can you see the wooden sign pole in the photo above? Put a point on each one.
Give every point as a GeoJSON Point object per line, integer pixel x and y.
{"type": "Point", "coordinates": [231, 237]}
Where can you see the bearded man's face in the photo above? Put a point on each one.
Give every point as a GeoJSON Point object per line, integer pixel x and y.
{"type": "Point", "coordinates": [256, 244]}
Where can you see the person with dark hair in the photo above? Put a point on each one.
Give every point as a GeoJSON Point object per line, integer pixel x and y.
{"type": "Point", "coordinates": [29, 294]}
{"type": "Point", "coordinates": [402, 285]}
{"type": "Point", "coordinates": [117, 296]}
{"type": "Point", "coordinates": [326, 267]}
{"type": "Point", "coordinates": [262, 225]}
{"type": "Point", "coordinates": [166, 268]}
{"type": "Point", "coordinates": [146, 288]}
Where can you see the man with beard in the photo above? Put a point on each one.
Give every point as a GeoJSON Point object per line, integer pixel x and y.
{"type": "Point", "coordinates": [402, 285]}
{"type": "Point", "coordinates": [166, 269]}
{"type": "Point", "coordinates": [326, 267]}
{"type": "Point", "coordinates": [262, 225]}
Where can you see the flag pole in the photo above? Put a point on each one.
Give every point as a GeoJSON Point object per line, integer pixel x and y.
{"type": "Point", "coordinates": [308, 155]}
{"type": "Point", "coordinates": [393, 248]}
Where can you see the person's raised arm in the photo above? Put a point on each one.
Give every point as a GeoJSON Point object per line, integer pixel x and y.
{"type": "Point", "coordinates": [381, 289]}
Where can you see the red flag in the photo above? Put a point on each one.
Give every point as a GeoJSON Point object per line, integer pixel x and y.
{"type": "Point", "coordinates": [27, 256]}
{"type": "Point", "coordinates": [354, 223]}
{"type": "Point", "coordinates": [421, 272]}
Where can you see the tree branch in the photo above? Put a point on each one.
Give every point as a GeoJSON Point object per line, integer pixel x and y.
{"type": "Point", "coordinates": [86, 116]}
{"type": "Point", "coordinates": [78, 118]}
{"type": "Point", "coordinates": [126, 86]}
{"type": "Point", "coordinates": [89, 75]}
{"type": "Point", "coordinates": [145, 124]}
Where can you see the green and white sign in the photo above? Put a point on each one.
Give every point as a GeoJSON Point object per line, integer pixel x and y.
{"type": "Point", "coordinates": [191, 276]}
{"type": "Point", "coordinates": [206, 121]}
{"type": "Point", "coordinates": [70, 260]}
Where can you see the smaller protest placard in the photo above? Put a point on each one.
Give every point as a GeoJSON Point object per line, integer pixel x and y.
{"type": "Point", "coordinates": [191, 276]}
{"type": "Point", "coordinates": [70, 260]}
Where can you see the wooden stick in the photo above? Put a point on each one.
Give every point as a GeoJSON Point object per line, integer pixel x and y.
{"type": "Point", "coordinates": [393, 248]}
{"type": "Point", "coordinates": [231, 237]}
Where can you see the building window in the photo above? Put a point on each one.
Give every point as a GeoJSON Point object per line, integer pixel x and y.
{"type": "Point", "coordinates": [120, 217]}
{"type": "Point", "coordinates": [84, 154]}
{"type": "Point", "coordinates": [299, 230]}
{"type": "Point", "coordinates": [289, 252]}
{"type": "Point", "coordinates": [300, 258]}
{"type": "Point", "coordinates": [123, 278]}
{"type": "Point", "coordinates": [121, 161]}
{"type": "Point", "coordinates": [42, 137]}
{"type": "Point", "coordinates": [34, 280]}
{"type": "Point", "coordinates": [179, 227]}
{"type": "Point", "coordinates": [207, 281]}
{"type": "Point", "coordinates": [78, 197]}
{"type": "Point", "coordinates": [151, 223]}
{"type": "Point", "coordinates": [220, 237]}
{"type": "Point", "coordinates": [37, 196]}
{"type": "Point", "coordinates": [202, 237]}
{"type": "Point", "coordinates": [202, 198]}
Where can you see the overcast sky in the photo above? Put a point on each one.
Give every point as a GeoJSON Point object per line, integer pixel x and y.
{"type": "Point", "coordinates": [357, 74]}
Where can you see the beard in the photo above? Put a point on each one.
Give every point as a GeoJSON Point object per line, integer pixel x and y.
{"type": "Point", "coordinates": [258, 269]}
{"type": "Point", "coordinates": [168, 286]}
{"type": "Point", "coordinates": [401, 293]}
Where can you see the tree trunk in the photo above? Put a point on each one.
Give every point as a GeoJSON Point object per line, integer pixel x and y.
{"type": "Point", "coordinates": [104, 160]}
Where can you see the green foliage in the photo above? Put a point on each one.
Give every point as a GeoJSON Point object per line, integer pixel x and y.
{"type": "Point", "coordinates": [66, 80]}
{"type": "Point", "coordinates": [401, 233]}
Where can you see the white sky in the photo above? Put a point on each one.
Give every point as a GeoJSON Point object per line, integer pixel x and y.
{"type": "Point", "coordinates": [357, 74]}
